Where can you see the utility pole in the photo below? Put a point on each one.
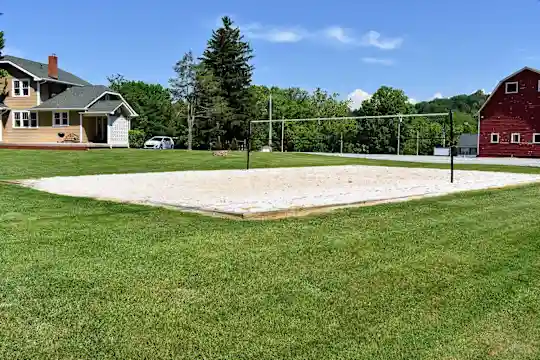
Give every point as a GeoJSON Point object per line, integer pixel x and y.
{"type": "Point", "coordinates": [270, 122]}
{"type": "Point", "coordinates": [341, 144]}
{"type": "Point", "coordinates": [417, 142]}
{"type": "Point", "coordinates": [399, 134]}
{"type": "Point", "coordinates": [282, 132]}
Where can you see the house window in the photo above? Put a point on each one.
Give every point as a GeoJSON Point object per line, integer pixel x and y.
{"type": "Point", "coordinates": [536, 138]}
{"type": "Point", "coordinates": [25, 120]}
{"type": "Point", "coordinates": [494, 138]}
{"type": "Point", "coordinates": [21, 87]}
{"type": "Point", "coordinates": [515, 138]}
{"type": "Point", "coordinates": [61, 119]}
{"type": "Point", "coordinates": [512, 87]}
{"type": "Point", "coordinates": [539, 85]}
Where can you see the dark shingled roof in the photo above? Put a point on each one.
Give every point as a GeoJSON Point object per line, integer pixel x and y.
{"type": "Point", "coordinates": [468, 141]}
{"type": "Point", "coordinates": [76, 97]}
{"type": "Point", "coordinates": [41, 70]}
{"type": "Point", "coordinates": [105, 106]}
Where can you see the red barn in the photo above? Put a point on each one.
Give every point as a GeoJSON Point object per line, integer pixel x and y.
{"type": "Point", "coordinates": [509, 120]}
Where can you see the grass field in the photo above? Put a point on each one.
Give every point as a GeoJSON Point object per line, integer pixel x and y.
{"type": "Point", "coordinates": [33, 164]}
{"type": "Point", "coordinates": [449, 278]}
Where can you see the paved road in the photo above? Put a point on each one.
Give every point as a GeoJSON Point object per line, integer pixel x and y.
{"type": "Point", "coordinates": [443, 159]}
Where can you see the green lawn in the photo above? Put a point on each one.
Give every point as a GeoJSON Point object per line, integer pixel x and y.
{"type": "Point", "coordinates": [33, 164]}
{"type": "Point", "coordinates": [450, 278]}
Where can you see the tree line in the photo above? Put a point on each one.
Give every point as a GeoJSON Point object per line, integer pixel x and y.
{"type": "Point", "coordinates": [211, 99]}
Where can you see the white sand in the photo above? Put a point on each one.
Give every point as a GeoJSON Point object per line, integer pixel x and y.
{"type": "Point", "coordinates": [261, 190]}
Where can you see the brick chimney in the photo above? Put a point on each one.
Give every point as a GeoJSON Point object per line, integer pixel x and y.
{"type": "Point", "coordinates": [53, 66]}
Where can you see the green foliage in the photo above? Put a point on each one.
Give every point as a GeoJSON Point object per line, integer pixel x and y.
{"type": "Point", "coordinates": [227, 58]}
{"type": "Point", "coordinates": [136, 138]}
{"type": "Point", "coordinates": [3, 72]}
{"type": "Point", "coordinates": [151, 101]}
{"type": "Point", "coordinates": [2, 43]}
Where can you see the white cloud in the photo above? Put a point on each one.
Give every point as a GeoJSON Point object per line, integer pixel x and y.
{"type": "Point", "coordinates": [371, 60]}
{"type": "Point", "coordinates": [357, 97]}
{"type": "Point", "coordinates": [274, 34]}
{"type": "Point", "coordinates": [413, 100]}
{"type": "Point", "coordinates": [293, 34]}
{"type": "Point", "coordinates": [9, 50]}
{"type": "Point", "coordinates": [373, 38]}
{"type": "Point", "coordinates": [339, 34]}
{"type": "Point", "coordinates": [437, 95]}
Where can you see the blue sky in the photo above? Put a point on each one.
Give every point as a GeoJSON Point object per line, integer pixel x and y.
{"type": "Point", "coordinates": [423, 47]}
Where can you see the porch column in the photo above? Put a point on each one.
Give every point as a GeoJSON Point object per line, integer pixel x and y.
{"type": "Point", "coordinates": [80, 127]}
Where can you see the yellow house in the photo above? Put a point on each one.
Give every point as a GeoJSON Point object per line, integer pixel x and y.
{"type": "Point", "coordinates": [42, 106]}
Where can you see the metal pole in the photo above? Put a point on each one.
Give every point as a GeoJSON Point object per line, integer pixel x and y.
{"type": "Point", "coordinates": [341, 145]}
{"type": "Point", "coordinates": [451, 147]}
{"type": "Point", "coordinates": [444, 136]}
{"type": "Point", "coordinates": [398, 135]}
{"type": "Point", "coordinates": [282, 133]}
{"type": "Point", "coordinates": [270, 121]}
{"type": "Point", "coordinates": [403, 116]}
{"type": "Point", "coordinates": [417, 142]}
{"type": "Point", "coordinates": [248, 146]}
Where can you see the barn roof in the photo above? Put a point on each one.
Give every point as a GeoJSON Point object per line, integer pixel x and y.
{"type": "Point", "coordinates": [506, 78]}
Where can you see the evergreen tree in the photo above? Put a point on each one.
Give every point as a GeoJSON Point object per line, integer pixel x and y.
{"type": "Point", "coordinates": [227, 57]}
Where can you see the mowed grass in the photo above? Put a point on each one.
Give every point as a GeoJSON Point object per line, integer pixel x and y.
{"type": "Point", "coordinates": [448, 278]}
{"type": "Point", "coordinates": [23, 164]}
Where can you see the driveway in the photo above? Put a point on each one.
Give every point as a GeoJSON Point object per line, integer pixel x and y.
{"type": "Point", "coordinates": [443, 159]}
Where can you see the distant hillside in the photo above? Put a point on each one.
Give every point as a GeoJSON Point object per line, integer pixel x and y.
{"type": "Point", "coordinates": [465, 108]}
{"type": "Point", "coordinates": [467, 104]}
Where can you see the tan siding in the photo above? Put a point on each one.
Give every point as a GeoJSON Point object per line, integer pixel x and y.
{"type": "Point", "coordinates": [45, 132]}
{"type": "Point", "coordinates": [22, 102]}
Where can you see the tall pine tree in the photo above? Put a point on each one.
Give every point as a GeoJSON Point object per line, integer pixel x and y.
{"type": "Point", "coordinates": [227, 57]}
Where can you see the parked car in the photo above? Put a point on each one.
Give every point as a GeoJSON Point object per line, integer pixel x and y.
{"type": "Point", "coordinates": [159, 142]}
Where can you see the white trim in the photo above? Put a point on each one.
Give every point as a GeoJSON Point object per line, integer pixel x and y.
{"type": "Point", "coordinates": [478, 137]}
{"type": "Point", "coordinates": [13, 112]}
{"type": "Point", "coordinates": [21, 86]}
{"type": "Point", "coordinates": [116, 108]}
{"type": "Point", "coordinates": [55, 109]}
{"type": "Point", "coordinates": [511, 83]}
{"type": "Point", "coordinates": [80, 127]}
{"type": "Point", "coordinates": [535, 142]}
{"type": "Point", "coordinates": [38, 93]}
{"type": "Point", "coordinates": [109, 126]}
{"type": "Point", "coordinates": [59, 112]}
{"type": "Point", "coordinates": [35, 77]}
{"type": "Point", "coordinates": [133, 112]}
{"type": "Point", "coordinates": [503, 81]}
{"type": "Point", "coordinates": [62, 82]}
{"type": "Point", "coordinates": [512, 138]}
{"type": "Point", "coordinates": [493, 141]}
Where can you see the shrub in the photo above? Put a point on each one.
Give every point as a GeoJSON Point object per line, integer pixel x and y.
{"type": "Point", "coordinates": [234, 145]}
{"type": "Point", "coordinates": [218, 145]}
{"type": "Point", "coordinates": [136, 138]}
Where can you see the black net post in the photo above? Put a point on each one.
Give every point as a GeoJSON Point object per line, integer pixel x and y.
{"type": "Point", "coordinates": [452, 146]}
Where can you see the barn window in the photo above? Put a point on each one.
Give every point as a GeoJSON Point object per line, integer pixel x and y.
{"type": "Point", "coordinates": [516, 138]}
{"type": "Point", "coordinates": [539, 85]}
{"type": "Point", "coordinates": [512, 87]}
{"type": "Point", "coordinates": [494, 138]}
{"type": "Point", "coordinates": [536, 138]}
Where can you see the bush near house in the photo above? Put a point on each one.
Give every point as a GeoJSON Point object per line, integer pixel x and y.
{"type": "Point", "coordinates": [136, 138]}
